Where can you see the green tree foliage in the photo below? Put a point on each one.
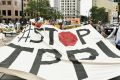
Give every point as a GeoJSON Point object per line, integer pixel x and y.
{"type": "Point", "coordinates": [31, 8]}
{"type": "Point", "coordinates": [98, 14]}
{"type": "Point", "coordinates": [41, 8]}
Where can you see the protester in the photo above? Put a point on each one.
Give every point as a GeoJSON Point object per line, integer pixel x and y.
{"type": "Point", "coordinates": [117, 41]}
{"type": "Point", "coordinates": [3, 24]}
{"type": "Point", "coordinates": [36, 23]}
{"type": "Point", "coordinates": [11, 24]}
{"type": "Point", "coordinates": [2, 38]}
{"type": "Point", "coordinates": [46, 22]}
{"type": "Point", "coordinates": [116, 33]}
{"type": "Point", "coordinates": [100, 28]}
{"type": "Point", "coordinates": [60, 22]}
{"type": "Point", "coordinates": [17, 25]}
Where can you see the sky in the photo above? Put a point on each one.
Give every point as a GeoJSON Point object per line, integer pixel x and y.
{"type": "Point", "coordinates": [85, 6]}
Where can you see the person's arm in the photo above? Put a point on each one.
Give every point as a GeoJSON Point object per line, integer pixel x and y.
{"type": "Point", "coordinates": [112, 33]}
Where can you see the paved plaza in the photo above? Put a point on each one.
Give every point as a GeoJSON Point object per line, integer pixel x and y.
{"type": "Point", "coordinates": [8, 39]}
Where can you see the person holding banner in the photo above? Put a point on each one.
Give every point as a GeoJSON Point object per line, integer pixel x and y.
{"type": "Point", "coordinates": [100, 28]}
{"type": "Point", "coordinates": [11, 24]}
{"type": "Point", "coordinates": [116, 34]}
{"type": "Point", "coordinates": [117, 41]}
{"type": "Point", "coordinates": [2, 38]}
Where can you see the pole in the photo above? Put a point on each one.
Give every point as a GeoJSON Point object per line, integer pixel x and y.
{"type": "Point", "coordinates": [22, 9]}
{"type": "Point", "coordinates": [37, 10]}
{"type": "Point", "coordinates": [22, 14]}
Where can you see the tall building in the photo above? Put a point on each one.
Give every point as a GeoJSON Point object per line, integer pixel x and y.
{"type": "Point", "coordinates": [69, 8]}
{"type": "Point", "coordinates": [57, 4]}
{"type": "Point", "coordinates": [111, 8]}
{"type": "Point", "coordinates": [10, 9]}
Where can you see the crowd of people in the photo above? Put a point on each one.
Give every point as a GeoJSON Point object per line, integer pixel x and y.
{"type": "Point", "coordinates": [99, 27]}
{"type": "Point", "coordinates": [8, 28]}
{"type": "Point", "coordinates": [114, 33]}
{"type": "Point", "coordinates": [16, 25]}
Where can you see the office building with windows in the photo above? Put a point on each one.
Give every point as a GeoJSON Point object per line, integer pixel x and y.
{"type": "Point", "coordinates": [110, 6]}
{"type": "Point", "coordinates": [69, 8]}
{"type": "Point", "coordinates": [10, 9]}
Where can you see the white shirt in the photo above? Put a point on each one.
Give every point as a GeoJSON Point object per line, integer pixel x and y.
{"type": "Point", "coordinates": [11, 25]}
{"type": "Point", "coordinates": [118, 37]}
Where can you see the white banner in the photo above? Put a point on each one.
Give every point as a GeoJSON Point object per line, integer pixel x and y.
{"type": "Point", "coordinates": [53, 54]}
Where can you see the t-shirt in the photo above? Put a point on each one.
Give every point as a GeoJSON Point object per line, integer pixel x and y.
{"type": "Point", "coordinates": [118, 37]}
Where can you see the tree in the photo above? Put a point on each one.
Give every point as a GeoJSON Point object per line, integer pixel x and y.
{"type": "Point", "coordinates": [41, 8]}
{"type": "Point", "coordinates": [37, 7]}
{"type": "Point", "coordinates": [98, 14]}
{"type": "Point", "coordinates": [31, 8]}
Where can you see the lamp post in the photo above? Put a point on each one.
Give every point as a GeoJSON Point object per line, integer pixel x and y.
{"type": "Point", "coordinates": [37, 11]}
{"type": "Point", "coordinates": [22, 13]}
{"type": "Point", "coordinates": [37, 17]}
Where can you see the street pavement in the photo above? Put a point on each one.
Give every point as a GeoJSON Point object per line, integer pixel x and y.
{"type": "Point", "coordinates": [7, 39]}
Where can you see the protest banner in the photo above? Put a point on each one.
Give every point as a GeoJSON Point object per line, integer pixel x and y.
{"type": "Point", "coordinates": [54, 54]}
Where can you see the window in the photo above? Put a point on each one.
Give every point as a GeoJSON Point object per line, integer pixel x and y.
{"type": "Point", "coordinates": [24, 5]}
{"type": "Point", "coordinates": [4, 12]}
{"type": "Point", "coordinates": [3, 2]}
{"type": "Point", "coordinates": [16, 12]}
{"type": "Point", "coordinates": [9, 2]}
{"type": "Point", "coordinates": [0, 12]}
{"type": "Point", "coordinates": [9, 12]}
{"type": "Point", "coordinates": [15, 3]}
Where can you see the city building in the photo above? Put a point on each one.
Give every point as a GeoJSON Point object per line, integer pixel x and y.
{"type": "Point", "coordinates": [10, 9]}
{"type": "Point", "coordinates": [69, 8]}
{"type": "Point", "coordinates": [111, 8]}
{"type": "Point", "coordinates": [57, 4]}
{"type": "Point", "coordinates": [24, 3]}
